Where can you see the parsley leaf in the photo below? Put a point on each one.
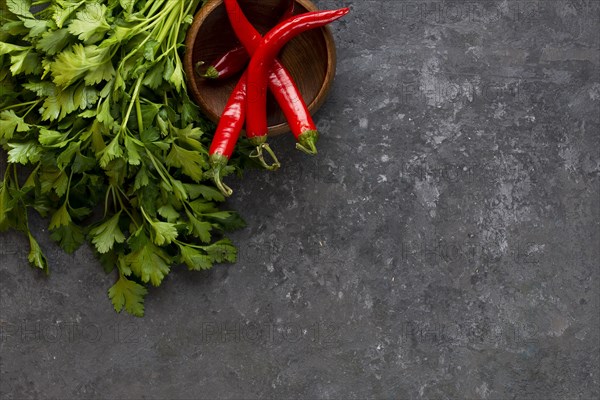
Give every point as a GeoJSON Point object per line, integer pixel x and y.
{"type": "Point", "coordinates": [148, 261]}
{"type": "Point", "coordinates": [70, 237]}
{"type": "Point", "coordinates": [112, 151]}
{"type": "Point", "coordinates": [129, 295]}
{"type": "Point", "coordinates": [191, 162]}
{"type": "Point", "coordinates": [60, 218]}
{"type": "Point", "coordinates": [164, 232]}
{"type": "Point", "coordinates": [194, 258]}
{"type": "Point", "coordinates": [36, 257]}
{"type": "Point", "coordinates": [53, 41]}
{"type": "Point", "coordinates": [200, 229]}
{"type": "Point", "coordinates": [20, 8]}
{"type": "Point", "coordinates": [92, 63]}
{"type": "Point", "coordinates": [90, 25]}
{"type": "Point", "coordinates": [107, 234]}
{"type": "Point", "coordinates": [10, 122]}
{"type": "Point", "coordinates": [207, 192]}
{"type": "Point", "coordinates": [24, 153]}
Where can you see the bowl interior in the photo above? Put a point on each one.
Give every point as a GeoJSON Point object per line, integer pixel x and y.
{"type": "Point", "coordinates": [310, 57]}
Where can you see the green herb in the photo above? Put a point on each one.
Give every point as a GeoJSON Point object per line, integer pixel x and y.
{"type": "Point", "coordinates": [94, 116]}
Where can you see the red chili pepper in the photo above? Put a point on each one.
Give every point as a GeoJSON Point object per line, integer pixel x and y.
{"type": "Point", "coordinates": [281, 83]}
{"type": "Point", "coordinates": [226, 66]}
{"type": "Point", "coordinates": [228, 132]}
{"type": "Point", "coordinates": [233, 116]}
{"type": "Point", "coordinates": [262, 61]}
{"type": "Point", "coordinates": [235, 59]}
{"type": "Point", "coordinates": [289, 11]}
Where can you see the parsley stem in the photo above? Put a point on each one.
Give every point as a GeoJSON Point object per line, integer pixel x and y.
{"type": "Point", "coordinates": [29, 110]}
{"type": "Point", "coordinates": [146, 27]}
{"type": "Point", "coordinates": [174, 30]}
{"type": "Point", "coordinates": [119, 190]}
{"type": "Point", "coordinates": [68, 187]}
{"type": "Point", "coordinates": [15, 176]}
{"type": "Point", "coordinates": [189, 244]}
{"type": "Point", "coordinates": [6, 175]}
{"type": "Point", "coordinates": [114, 196]}
{"type": "Point", "coordinates": [155, 6]}
{"type": "Point", "coordinates": [146, 217]}
{"type": "Point", "coordinates": [138, 110]}
{"type": "Point", "coordinates": [166, 53]}
{"type": "Point", "coordinates": [134, 96]}
{"type": "Point", "coordinates": [188, 208]}
{"type": "Point", "coordinates": [191, 5]}
{"type": "Point", "coordinates": [157, 166]}
{"type": "Point", "coordinates": [106, 200]}
{"type": "Point", "coordinates": [143, 10]}
{"type": "Point", "coordinates": [168, 25]}
{"type": "Point", "coordinates": [34, 102]}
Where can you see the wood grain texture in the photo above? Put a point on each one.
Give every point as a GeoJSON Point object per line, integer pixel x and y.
{"type": "Point", "coordinates": [310, 57]}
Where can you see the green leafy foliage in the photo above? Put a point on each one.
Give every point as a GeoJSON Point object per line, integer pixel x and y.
{"type": "Point", "coordinates": [69, 237]}
{"type": "Point", "coordinates": [107, 234]}
{"type": "Point", "coordinates": [36, 257]}
{"type": "Point", "coordinates": [191, 162]}
{"type": "Point", "coordinates": [94, 112]}
{"type": "Point", "coordinates": [9, 122]}
{"type": "Point", "coordinates": [129, 295]}
{"type": "Point", "coordinates": [90, 24]}
{"type": "Point", "coordinates": [92, 63]}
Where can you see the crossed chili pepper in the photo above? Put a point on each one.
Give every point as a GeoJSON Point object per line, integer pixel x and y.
{"type": "Point", "coordinates": [249, 104]}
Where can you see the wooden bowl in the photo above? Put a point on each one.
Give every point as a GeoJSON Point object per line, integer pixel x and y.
{"type": "Point", "coordinates": [310, 57]}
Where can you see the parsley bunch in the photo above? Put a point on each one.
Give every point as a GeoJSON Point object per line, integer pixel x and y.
{"type": "Point", "coordinates": [101, 136]}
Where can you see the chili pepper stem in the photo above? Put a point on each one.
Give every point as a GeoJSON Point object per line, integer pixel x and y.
{"type": "Point", "coordinates": [218, 162]}
{"type": "Point", "coordinates": [260, 143]}
{"type": "Point", "coordinates": [211, 73]}
{"type": "Point", "coordinates": [276, 165]}
{"type": "Point", "coordinates": [197, 67]}
{"type": "Point", "coordinates": [226, 190]}
{"type": "Point", "coordinates": [307, 142]}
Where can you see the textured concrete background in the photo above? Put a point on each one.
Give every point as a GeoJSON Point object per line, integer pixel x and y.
{"type": "Point", "coordinates": [444, 243]}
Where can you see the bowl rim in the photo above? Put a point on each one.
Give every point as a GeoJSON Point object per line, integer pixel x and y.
{"type": "Point", "coordinates": [200, 16]}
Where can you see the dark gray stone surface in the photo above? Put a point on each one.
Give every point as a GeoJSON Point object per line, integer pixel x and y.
{"type": "Point", "coordinates": [443, 244]}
